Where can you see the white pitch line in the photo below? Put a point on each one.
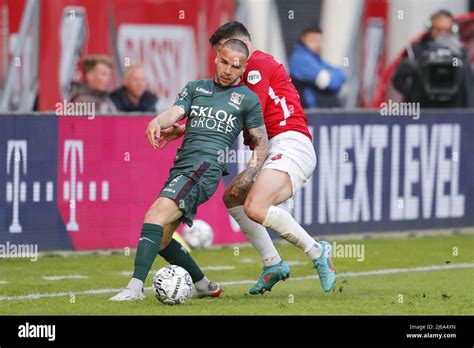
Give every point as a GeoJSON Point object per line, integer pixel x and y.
{"type": "Point", "coordinates": [370, 273]}
{"type": "Point", "coordinates": [247, 260]}
{"type": "Point", "coordinates": [208, 268]}
{"type": "Point", "coordinates": [58, 294]}
{"type": "Point", "coordinates": [296, 263]}
{"type": "Point", "coordinates": [73, 276]}
{"type": "Point", "coordinates": [241, 282]}
{"type": "Point", "coordinates": [218, 268]}
{"type": "Point", "coordinates": [3, 282]}
{"type": "Point", "coordinates": [128, 273]}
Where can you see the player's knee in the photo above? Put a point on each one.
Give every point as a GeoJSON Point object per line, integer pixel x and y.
{"type": "Point", "coordinates": [231, 201]}
{"type": "Point", "coordinates": [254, 210]}
{"type": "Point", "coordinates": [227, 199]}
{"type": "Point", "coordinates": [152, 214]}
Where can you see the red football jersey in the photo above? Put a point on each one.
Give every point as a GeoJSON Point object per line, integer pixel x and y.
{"type": "Point", "coordinates": [281, 105]}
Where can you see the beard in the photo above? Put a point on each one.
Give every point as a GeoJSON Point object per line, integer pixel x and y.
{"type": "Point", "coordinates": [220, 82]}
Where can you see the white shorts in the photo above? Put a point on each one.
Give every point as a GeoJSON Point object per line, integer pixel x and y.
{"type": "Point", "coordinates": [293, 153]}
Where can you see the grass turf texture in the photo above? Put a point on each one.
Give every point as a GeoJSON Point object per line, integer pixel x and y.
{"type": "Point", "coordinates": [440, 292]}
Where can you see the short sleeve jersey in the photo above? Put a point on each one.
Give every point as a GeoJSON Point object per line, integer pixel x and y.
{"type": "Point", "coordinates": [281, 105]}
{"type": "Point", "coordinates": [215, 117]}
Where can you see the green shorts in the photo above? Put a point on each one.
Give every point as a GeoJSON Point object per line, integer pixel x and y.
{"type": "Point", "coordinates": [190, 186]}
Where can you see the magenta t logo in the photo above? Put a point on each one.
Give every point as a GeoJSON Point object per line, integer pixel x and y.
{"type": "Point", "coordinates": [72, 190]}
{"type": "Point", "coordinates": [16, 190]}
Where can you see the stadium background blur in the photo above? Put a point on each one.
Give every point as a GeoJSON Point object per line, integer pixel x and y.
{"type": "Point", "coordinates": [42, 42]}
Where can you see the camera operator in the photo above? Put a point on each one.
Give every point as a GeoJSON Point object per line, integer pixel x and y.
{"type": "Point", "coordinates": [436, 71]}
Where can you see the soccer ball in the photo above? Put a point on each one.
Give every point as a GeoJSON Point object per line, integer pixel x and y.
{"type": "Point", "coordinates": [172, 285]}
{"type": "Point", "coordinates": [199, 236]}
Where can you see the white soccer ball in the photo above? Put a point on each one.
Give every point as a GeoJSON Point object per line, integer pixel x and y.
{"type": "Point", "coordinates": [199, 236]}
{"type": "Point", "coordinates": [172, 285]}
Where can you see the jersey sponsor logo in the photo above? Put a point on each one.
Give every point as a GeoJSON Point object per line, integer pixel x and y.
{"type": "Point", "coordinates": [205, 91]}
{"type": "Point", "coordinates": [237, 98]}
{"type": "Point", "coordinates": [205, 117]}
{"type": "Point", "coordinates": [276, 157]}
{"type": "Point", "coordinates": [254, 77]}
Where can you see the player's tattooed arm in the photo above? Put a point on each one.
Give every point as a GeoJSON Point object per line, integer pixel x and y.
{"type": "Point", "coordinates": [164, 120]}
{"type": "Point", "coordinates": [260, 139]}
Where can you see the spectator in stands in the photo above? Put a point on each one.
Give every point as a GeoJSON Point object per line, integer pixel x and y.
{"type": "Point", "coordinates": [96, 72]}
{"type": "Point", "coordinates": [317, 81]}
{"type": "Point", "coordinates": [133, 96]}
{"type": "Point", "coordinates": [435, 71]}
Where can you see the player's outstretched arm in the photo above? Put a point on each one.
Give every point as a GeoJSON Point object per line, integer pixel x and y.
{"type": "Point", "coordinates": [164, 120]}
{"type": "Point", "coordinates": [260, 139]}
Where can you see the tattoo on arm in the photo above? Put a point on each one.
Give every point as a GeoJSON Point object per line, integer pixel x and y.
{"type": "Point", "coordinates": [260, 139]}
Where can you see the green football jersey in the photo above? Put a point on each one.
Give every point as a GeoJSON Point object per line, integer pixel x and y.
{"type": "Point", "coordinates": [215, 117]}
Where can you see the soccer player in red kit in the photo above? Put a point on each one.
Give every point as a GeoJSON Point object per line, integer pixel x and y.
{"type": "Point", "coordinates": [290, 163]}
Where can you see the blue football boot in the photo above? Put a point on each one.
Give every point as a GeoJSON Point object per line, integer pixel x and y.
{"type": "Point", "coordinates": [270, 276]}
{"type": "Point", "coordinates": [325, 267]}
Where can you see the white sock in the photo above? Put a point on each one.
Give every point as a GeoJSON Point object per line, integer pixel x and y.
{"type": "Point", "coordinates": [135, 284]}
{"type": "Point", "coordinates": [315, 251]}
{"type": "Point", "coordinates": [257, 236]}
{"type": "Point", "coordinates": [285, 225]}
{"type": "Point", "coordinates": [202, 284]}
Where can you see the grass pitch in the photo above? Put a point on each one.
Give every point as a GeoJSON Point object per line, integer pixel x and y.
{"type": "Point", "coordinates": [432, 275]}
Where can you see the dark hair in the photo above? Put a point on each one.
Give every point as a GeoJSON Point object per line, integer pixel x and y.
{"type": "Point", "coordinates": [311, 29]}
{"type": "Point", "coordinates": [89, 62]}
{"type": "Point", "coordinates": [229, 30]}
{"type": "Point", "coordinates": [442, 13]}
{"type": "Point", "coordinates": [237, 45]}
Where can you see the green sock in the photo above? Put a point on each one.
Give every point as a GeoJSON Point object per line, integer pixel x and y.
{"type": "Point", "coordinates": [176, 254]}
{"type": "Point", "coordinates": [148, 248]}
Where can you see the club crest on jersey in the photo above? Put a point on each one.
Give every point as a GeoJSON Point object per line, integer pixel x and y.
{"type": "Point", "coordinates": [254, 77]}
{"type": "Point", "coordinates": [183, 94]}
{"type": "Point", "coordinates": [236, 98]}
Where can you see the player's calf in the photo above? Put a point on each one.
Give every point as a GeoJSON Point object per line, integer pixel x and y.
{"type": "Point", "coordinates": [162, 211]}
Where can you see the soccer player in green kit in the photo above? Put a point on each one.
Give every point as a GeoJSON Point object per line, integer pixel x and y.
{"type": "Point", "coordinates": [217, 111]}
